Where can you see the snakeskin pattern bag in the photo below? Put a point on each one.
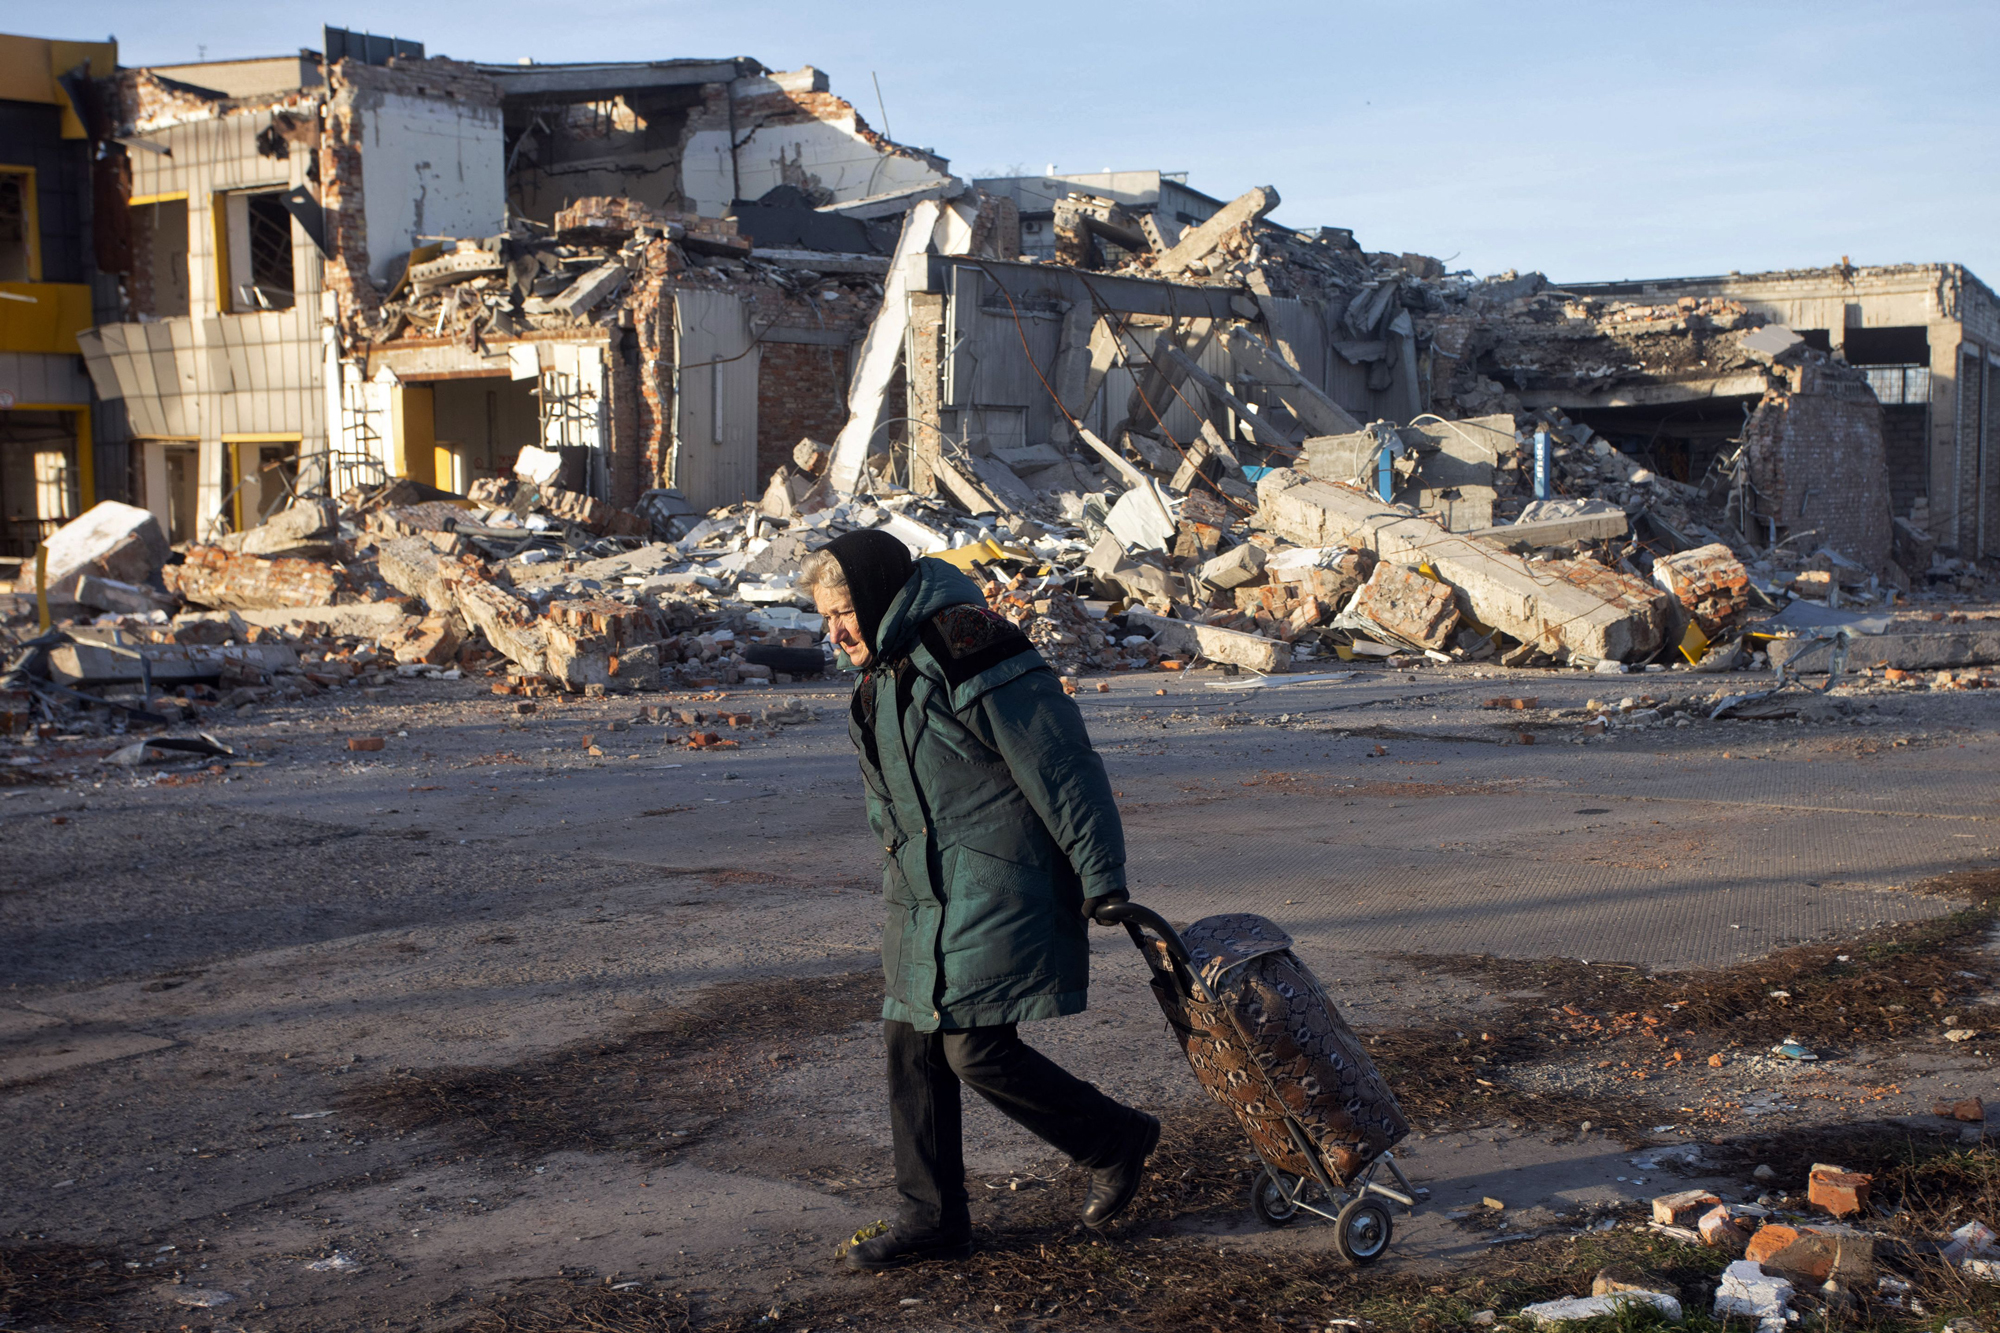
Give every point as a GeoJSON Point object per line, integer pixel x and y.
{"type": "Point", "coordinates": [1264, 1039]}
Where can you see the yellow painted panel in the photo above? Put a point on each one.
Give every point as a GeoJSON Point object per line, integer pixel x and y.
{"type": "Point", "coordinates": [171, 196]}
{"type": "Point", "coordinates": [48, 320]}
{"type": "Point", "coordinates": [102, 58]}
{"type": "Point", "coordinates": [30, 66]}
{"type": "Point", "coordinates": [24, 72]}
{"type": "Point", "coordinates": [414, 414]}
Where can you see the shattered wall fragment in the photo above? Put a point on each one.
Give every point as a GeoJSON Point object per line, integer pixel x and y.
{"type": "Point", "coordinates": [1816, 461]}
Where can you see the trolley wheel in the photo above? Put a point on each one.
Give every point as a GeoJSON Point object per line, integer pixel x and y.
{"type": "Point", "coordinates": [1271, 1202]}
{"type": "Point", "coordinates": [1363, 1230]}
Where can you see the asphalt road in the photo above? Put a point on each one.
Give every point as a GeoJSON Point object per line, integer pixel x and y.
{"type": "Point", "coordinates": [194, 972]}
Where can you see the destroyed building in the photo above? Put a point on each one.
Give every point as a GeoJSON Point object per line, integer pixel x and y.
{"type": "Point", "coordinates": [49, 256]}
{"type": "Point", "coordinates": [363, 263]}
{"type": "Point", "coordinates": [1116, 206]}
{"type": "Point", "coordinates": [570, 365]}
{"type": "Point", "coordinates": [1667, 371]}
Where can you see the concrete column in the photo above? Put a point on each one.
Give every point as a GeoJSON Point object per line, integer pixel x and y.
{"type": "Point", "coordinates": [924, 397]}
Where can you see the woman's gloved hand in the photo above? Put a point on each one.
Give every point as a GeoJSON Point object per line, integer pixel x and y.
{"type": "Point", "coordinates": [1090, 905]}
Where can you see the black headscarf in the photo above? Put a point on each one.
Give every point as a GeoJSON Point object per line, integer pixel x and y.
{"type": "Point", "coordinates": [877, 566]}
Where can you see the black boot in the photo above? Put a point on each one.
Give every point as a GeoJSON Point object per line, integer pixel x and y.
{"type": "Point", "coordinates": [1112, 1187]}
{"type": "Point", "coordinates": [893, 1249]}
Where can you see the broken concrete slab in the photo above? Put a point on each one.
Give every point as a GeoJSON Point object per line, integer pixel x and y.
{"type": "Point", "coordinates": [112, 540]}
{"type": "Point", "coordinates": [1500, 590]}
{"type": "Point", "coordinates": [1555, 531]}
{"type": "Point", "coordinates": [589, 291]}
{"type": "Point", "coordinates": [131, 599]}
{"type": "Point", "coordinates": [1228, 646]}
{"type": "Point", "coordinates": [1318, 413]}
{"type": "Point", "coordinates": [432, 640]}
{"type": "Point", "coordinates": [1913, 650]}
{"type": "Point", "coordinates": [365, 620]}
{"type": "Point", "coordinates": [309, 525]}
{"type": "Point", "coordinates": [1198, 242]}
{"type": "Point", "coordinates": [1747, 1290]}
{"type": "Point", "coordinates": [881, 350]}
{"type": "Point", "coordinates": [167, 663]}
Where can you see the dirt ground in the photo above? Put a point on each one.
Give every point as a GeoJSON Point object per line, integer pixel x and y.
{"type": "Point", "coordinates": [545, 1021]}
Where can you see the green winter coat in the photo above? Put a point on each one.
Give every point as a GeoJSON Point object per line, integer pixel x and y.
{"type": "Point", "coordinates": [994, 812]}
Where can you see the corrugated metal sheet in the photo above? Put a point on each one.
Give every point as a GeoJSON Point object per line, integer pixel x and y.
{"type": "Point", "coordinates": [715, 400]}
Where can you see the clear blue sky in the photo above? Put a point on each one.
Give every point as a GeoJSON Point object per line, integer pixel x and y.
{"type": "Point", "coordinates": [1588, 140]}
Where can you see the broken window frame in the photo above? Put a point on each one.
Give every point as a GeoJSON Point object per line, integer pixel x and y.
{"type": "Point", "coordinates": [261, 209]}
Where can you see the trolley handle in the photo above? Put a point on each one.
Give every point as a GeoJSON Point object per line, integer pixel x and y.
{"type": "Point", "coordinates": [1134, 917]}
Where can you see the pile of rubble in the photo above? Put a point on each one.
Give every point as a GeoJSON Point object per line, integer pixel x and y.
{"type": "Point", "coordinates": [1787, 1258]}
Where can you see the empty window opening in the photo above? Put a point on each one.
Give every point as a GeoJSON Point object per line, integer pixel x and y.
{"type": "Point", "coordinates": [20, 251]}
{"type": "Point", "coordinates": [258, 268]}
{"type": "Point", "coordinates": [38, 479]}
{"type": "Point", "coordinates": [481, 425]}
{"type": "Point", "coordinates": [267, 474]}
{"type": "Point", "coordinates": [166, 479]}
{"type": "Point", "coordinates": [1903, 346]}
{"type": "Point", "coordinates": [159, 285]}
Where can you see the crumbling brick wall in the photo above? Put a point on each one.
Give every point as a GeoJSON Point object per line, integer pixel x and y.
{"type": "Point", "coordinates": [1905, 436]}
{"type": "Point", "coordinates": [143, 100]}
{"type": "Point", "coordinates": [340, 169]}
{"type": "Point", "coordinates": [801, 391]}
{"type": "Point", "coordinates": [1816, 459]}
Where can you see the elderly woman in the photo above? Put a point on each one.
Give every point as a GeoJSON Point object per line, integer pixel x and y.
{"type": "Point", "coordinates": [1001, 838]}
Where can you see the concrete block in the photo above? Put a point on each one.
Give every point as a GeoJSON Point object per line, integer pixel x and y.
{"type": "Point", "coordinates": [1228, 646]}
{"type": "Point", "coordinates": [1747, 1290]}
{"type": "Point", "coordinates": [1501, 590]}
{"type": "Point", "coordinates": [433, 640]}
{"type": "Point", "coordinates": [584, 295]}
{"type": "Point", "coordinates": [1234, 567]}
{"type": "Point", "coordinates": [112, 540]}
{"type": "Point", "coordinates": [134, 599]}
{"type": "Point", "coordinates": [168, 663]}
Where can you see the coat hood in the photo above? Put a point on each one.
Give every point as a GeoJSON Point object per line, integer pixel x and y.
{"type": "Point", "coordinates": [934, 586]}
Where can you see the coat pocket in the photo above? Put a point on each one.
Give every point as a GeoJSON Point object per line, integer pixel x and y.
{"type": "Point", "coordinates": [978, 874]}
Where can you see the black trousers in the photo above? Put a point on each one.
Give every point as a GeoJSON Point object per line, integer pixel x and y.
{"type": "Point", "coordinates": [926, 1070]}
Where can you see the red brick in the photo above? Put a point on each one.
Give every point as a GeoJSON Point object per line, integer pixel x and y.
{"type": "Point", "coordinates": [1842, 1193]}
